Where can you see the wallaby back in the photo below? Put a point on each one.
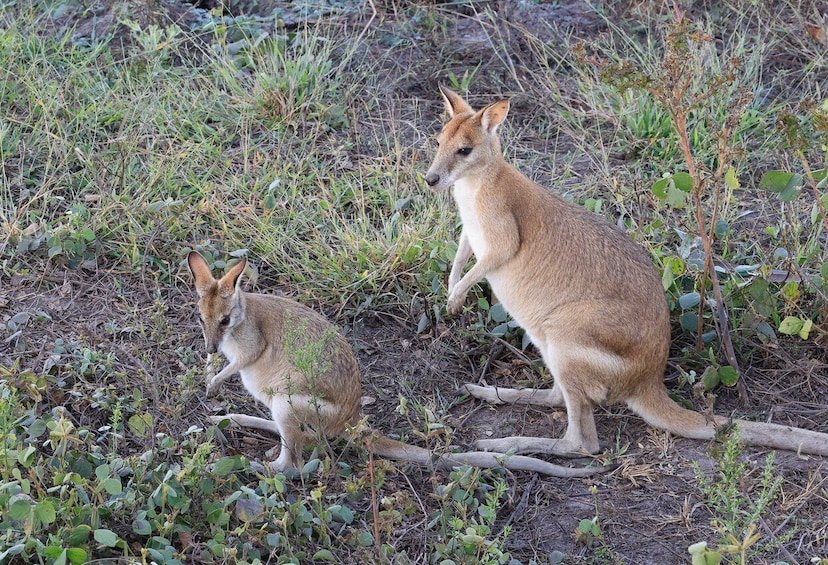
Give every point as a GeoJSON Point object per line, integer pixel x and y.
{"type": "Point", "coordinates": [584, 292]}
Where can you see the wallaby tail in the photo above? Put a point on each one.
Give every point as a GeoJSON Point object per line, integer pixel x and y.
{"type": "Point", "coordinates": [659, 410]}
{"type": "Point", "coordinates": [778, 436]}
{"type": "Point", "coordinates": [392, 449]}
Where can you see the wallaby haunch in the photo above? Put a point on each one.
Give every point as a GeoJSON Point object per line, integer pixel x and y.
{"type": "Point", "coordinates": [260, 336]}
{"type": "Point", "coordinates": [587, 296]}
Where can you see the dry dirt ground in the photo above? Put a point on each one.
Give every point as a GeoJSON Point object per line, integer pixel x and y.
{"type": "Point", "coordinates": [650, 508]}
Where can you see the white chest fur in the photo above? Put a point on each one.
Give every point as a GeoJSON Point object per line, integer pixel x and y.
{"type": "Point", "coordinates": [229, 347]}
{"type": "Point", "coordinates": [249, 373]}
{"type": "Point", "coordinates": [465, 195]}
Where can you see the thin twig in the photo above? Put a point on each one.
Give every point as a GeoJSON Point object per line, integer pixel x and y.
{"type": "Point", "coordinates": [520, 509]}
{"type": "Point", "coordinates": [374, 505]}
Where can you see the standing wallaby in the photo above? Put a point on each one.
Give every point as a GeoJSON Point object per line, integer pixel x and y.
{"type": "Point", "coordinates": [293, 361]}
{"type": "Point", "coordinates": [587, 296]}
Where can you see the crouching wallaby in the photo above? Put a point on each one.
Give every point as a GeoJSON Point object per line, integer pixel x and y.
{"type": "Point", "coordinates": [587, 296]}
{"type": "Point", "coordinates": [293, 361]}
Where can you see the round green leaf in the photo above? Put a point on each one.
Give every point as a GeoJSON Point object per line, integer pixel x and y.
{"type": "Point", "coordinates": [689, 300]}
{"type": "Point", "coordinates": [323, 555]}
{"type": "Point", "coordinates": [728, 375]}
{"type": "Point", "coordinates": [311, 466]}
{"type": "Point", "coordinates": [227, 465]}
{"type": "Point", "coordinates": [26, 455]}
{"type": "Point", "coordinates": [142, 527]}
{"type": "Point", "coordinates": [248, 510]}
{"type": "Point", "coordinates": [79, 535]}
{"type": "Point", "coordinates": [731, 179]}
{"type": "Point", "coordinates": [77, 555]}
{"type": "Point", "coordinates": [776, 181]}
{"type": "Point", "coordinates": [52, 551]}
{"type": "Point", "coordinates": [500, 330]}
{"type": "Point", "coordinates": [498, 313]}
{"type": "Point", "coordinates": [273, 540]}
{"type": "Point", "coordinates": [45, 512]}
{"type": "Point", "coordinates": [676, 197]}
{"type": "Point", "coordinates": [791, 325]}
{"type": "Point", "coordinates": [20, 508]}
{"type": "Point", "coordinates": [710, 378]}
{"type": "Point", "coordinates": [112, 485]}
{"type": "Point", "coordinates": [585, 525]}
{"type": "Point", "coordinates": [106, 537]}
{"type": "Point", "coordinates": [660, 187]}
{"type": "Point", "coordinates": [365, 539]}
{"type": "Point", "coordinates": [689, 321]}
{"type": "Point", "coordinates": [683, 182]}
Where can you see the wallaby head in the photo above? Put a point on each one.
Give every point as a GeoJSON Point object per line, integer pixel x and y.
{"type": "Point", "coordinates": [468, 143]}
{"type": "Point", "coordinates": [220, 302]}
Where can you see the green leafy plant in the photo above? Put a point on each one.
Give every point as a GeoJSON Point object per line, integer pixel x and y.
{"type": "Point", "coordinates": [464, 522]}
{"type": "Point", "coordinates": [687, 91]}
{"type": "Point", "coordinates": [736, 507]}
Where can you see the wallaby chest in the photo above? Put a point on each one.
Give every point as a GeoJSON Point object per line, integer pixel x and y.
{"type": "Point", "coordinates": [465, 195]}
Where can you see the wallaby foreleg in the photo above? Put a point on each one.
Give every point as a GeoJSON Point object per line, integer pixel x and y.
{"type": "Point", "coordinates": [464, 252]}
{"type": "Point", "coordinates": [216, 381]}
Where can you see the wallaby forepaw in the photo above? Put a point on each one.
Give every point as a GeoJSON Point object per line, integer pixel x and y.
{"type": "Point", "coordinates": [454, 305]}
{"type": "Point", "coordinates": [212, 387]}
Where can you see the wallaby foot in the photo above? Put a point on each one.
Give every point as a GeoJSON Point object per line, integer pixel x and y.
{"type": "Point", "coordinates": [214, 381]}
{"type": "Point", "coordinates": [524, 444]}
{"type": "Point", "coordinates": [534, 396]}
{"type": "Point", "coordinates": [284, 462]}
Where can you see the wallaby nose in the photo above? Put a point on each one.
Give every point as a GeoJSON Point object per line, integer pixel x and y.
{"type": "Point", "coordinates": [432, 179]}
{"type": "Point", "coordinates": [211, 346]}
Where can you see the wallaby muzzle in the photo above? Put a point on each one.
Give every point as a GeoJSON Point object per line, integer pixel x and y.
{"type": "Point", "coordinates": [432, 179]}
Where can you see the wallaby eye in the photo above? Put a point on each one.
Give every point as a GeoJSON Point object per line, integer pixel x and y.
{"type": "Point", "coordinates": [224, 321]}
{"type": "Point", "coordinates": [464, 151]}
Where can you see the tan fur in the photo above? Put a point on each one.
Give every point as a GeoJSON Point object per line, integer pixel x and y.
{"type": "Point", "coordinates": [587, 296]}
{"type": "Point", "coordinates": [259, 335]}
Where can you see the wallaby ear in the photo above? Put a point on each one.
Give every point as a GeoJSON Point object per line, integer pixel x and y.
{"type": "Point", "coordinates": [231, 281]}
{"type": "Point", "coordinates": [493, 115]}
{"type": "Point", "coordinates": [201, 272]}
{"type": "Point", "coordinates": [454, 104]}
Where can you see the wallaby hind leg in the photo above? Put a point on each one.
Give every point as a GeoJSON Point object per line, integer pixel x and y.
{"type": "Point", "coordinates": [533, 396]}
{"type": "Point", "coordinates": [292, 439]}
{"type": "Point", "coordinates": [581, 436]}
{"type": "Point", "coordinates": [246, 421]}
